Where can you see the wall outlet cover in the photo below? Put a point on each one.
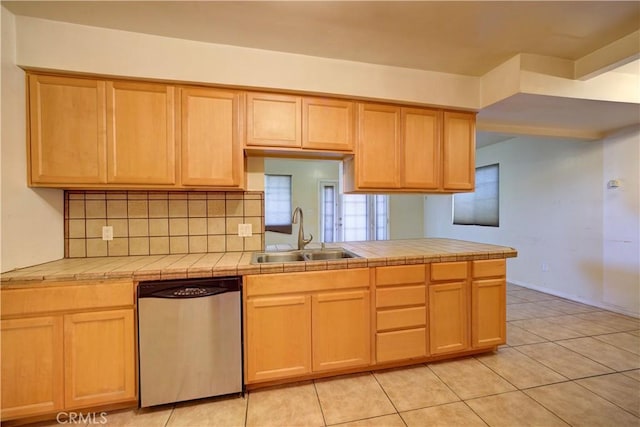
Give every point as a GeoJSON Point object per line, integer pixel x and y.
{"type": "Point", "coordinates": [107, 232]}
{"type": "Point", "coordinates": [244, 230]}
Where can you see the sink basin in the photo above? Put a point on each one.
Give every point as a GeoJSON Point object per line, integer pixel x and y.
{"type": "Point", "coordinates": [305, 255]}
{"type": "Point", "coordinates": [319, 254]}
{"type": "Point", "coordinates": [263, 257]}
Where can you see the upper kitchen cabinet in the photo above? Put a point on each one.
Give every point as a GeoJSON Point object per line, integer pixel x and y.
{"type": "Point", "coordinates": [378, 145]}
{"type": "Point", "coordinates": [411, 150]}
{"type": "Point", "coordinates": [140, 133]}
{"type": "Point", "coordinates": [420, 149]}
{"type": "Point", "coordinates": [327, 124]}
{"type": "Point", "coordinates": [274, 120]}
{"type": "Point", "coordinates": [211, 146]}
{"type": "Point", "coordinates": [67, 131]}
{"type": "Point", "coordinates": [459, 151]}
{"type": "Point", "coordinates": [302, 125]}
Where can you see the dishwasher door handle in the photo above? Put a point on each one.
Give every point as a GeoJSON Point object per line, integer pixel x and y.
{"type": "Point", "coordinates": [188, 292]}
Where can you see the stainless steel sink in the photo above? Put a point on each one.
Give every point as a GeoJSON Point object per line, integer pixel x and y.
{"type": "Point", "coordinates": [319, 254]}
{"type": "Point", "coordinates": [301, 256]}
{"type": "Point", "coordinates": [263, 257]}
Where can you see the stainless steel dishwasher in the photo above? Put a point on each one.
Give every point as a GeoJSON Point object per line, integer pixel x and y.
{"type": "Point", "coordinates": [189, 339]}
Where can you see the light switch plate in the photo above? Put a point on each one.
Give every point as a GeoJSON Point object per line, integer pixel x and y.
{"type": "Point", "coordinates": [244, 230]}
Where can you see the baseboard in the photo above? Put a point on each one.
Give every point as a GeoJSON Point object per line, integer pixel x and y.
{"type": "Point", "coordinates": [575, 298]}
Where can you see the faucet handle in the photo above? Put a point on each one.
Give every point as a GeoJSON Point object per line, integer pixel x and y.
{"type": "Point", "coordinates": [307, 241]}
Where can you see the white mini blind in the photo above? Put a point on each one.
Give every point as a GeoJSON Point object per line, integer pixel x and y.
{"type": "Point", "coordinates": [481, 207]}
{"type": "Point", "coordinates": [277, 202]}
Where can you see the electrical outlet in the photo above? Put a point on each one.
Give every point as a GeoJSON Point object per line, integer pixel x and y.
{"type": "Point", "coordinates": [244, 230]}
{"type": "Point", "coordinates": [107, 232]}
{"type": "Point", "coordinates": [545, 267]}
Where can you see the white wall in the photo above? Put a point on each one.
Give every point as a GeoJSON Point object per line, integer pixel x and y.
{"type": "Point", "coordinates": [621, 219]}
{"type": "Point", "coordinates": [554, 210]}
{"type": "Point", "coordinates": [63, 46]}
{"type": "Point", "coordinates": [31, 227]}
{"type": "Point", "coordinates": [406, 213]}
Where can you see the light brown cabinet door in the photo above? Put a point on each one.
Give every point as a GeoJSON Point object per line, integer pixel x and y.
{"type": "Point", "coordinates": [488, 313]}
{"type": "Point", "coordinates": [448, 317]}
{"type": "Point", "coordinates": [274, 120]}
{"type": "Point", "coordinates": [210, 138]}
{"type": "Point", "coordinates": [327, 124]}
{"type": "Point", "coordinates": [377, 148]}
{"type": "Point", "coordinates": [421, 142]}
{"type": "Point", "coordinates": [67, 130]}
{"type": "Point", "coordinates": [99, 358]}
{"type": "Point", "coordinates": [140, 133]}
{"type": "Point", "coordinates": [277, 337]}
{"type": "Point", "coordinates": [459, 149]}
{"type": "Point", "coordinates": [32, 361]}
{"type": "Point", "coordinates": [341, 331]}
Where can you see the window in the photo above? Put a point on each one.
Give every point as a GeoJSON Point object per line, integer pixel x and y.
{"type": "Point", "coordinates": [480, 207]}
{"type": "Point", "coordinates": [365, 217]}
{"type": "Point", "coordinates": [277, 202]}
{"type": "Point", "coordinates": [329, 214]}
{"type": "Point", "coordinates": [352, 217]}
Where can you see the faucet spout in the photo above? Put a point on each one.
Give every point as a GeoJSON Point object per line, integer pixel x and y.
{"type": "Point", "coordinates": [302, 242]}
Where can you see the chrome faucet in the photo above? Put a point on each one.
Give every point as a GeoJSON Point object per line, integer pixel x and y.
{"type": "Point", "coordinates": [302, 242]}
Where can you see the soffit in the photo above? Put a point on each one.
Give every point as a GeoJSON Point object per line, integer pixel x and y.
{"type": "Point", "coordinates": [468, 38]}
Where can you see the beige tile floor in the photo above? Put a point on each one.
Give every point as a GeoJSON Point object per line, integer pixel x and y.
{"type": "Point", "coordinates": [564, 364]}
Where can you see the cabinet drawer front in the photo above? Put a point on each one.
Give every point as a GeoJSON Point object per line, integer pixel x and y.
{"type": "Point", "coordinates": [399, 296]}
{"type": "Point", "coordinates": [282, 283]}
{"type": "Point", "coordinates": [64, 296]}
{"type": "Point", "coordinates": [489, 268]}
{"type": "Point", "coordinates": [400, 345]}
{"type": "Point", "coordinates": [449, 271]}
{"type": "Point", "coordinates": [401, 274]}
{"type": "Point", "coordinates": [401, 318]}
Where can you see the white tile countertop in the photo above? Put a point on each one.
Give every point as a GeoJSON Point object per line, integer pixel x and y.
{"type": "Point", "coordinates": [156, 267]}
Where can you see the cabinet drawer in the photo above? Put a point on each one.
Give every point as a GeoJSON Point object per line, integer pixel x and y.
{"type": "Point", "coordinates": [64, 296]}
{"type": "Point", "coordinates": [399, 296]}
{"type": "Point", "coordinates": [401, 318]}
{"type": "Point", "coordinates": [489, 268]}
{"type": "Point", "coordinates": [449, 271]}
{"type": "Point", "coordinates": [400, 274]}
{"type": "Point", "coordinates": [400, 345]}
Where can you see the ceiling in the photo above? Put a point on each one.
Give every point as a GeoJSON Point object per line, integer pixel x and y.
{"type": "Point", "coordinates": [466, 38]}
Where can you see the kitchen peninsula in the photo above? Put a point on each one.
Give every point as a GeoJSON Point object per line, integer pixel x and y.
{"type": "Point", "coordinates": [400, 302]}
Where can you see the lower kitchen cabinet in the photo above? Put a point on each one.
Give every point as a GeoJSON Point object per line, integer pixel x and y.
{"type": "Point", "coordinates": [401, 345]}
{"type": "Point", "coordinates": [32, 366]}
{"type": "Point", "coordinates": [80, 356]}
{"type": "Point", "coordinates": [278, 337]}
{"type": "Point", "coordinates": [401, 332]}
{"type": "Point", "coordinates": [298, 324]}
{"type": "Point", "coordinates": [488, 303]}
{"type": "Point", "coordinates": [448, 317]}
{"type": "Point", "coordinates": [99, 357]}
{"type": "Point", "coordinates": [341, 337]}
